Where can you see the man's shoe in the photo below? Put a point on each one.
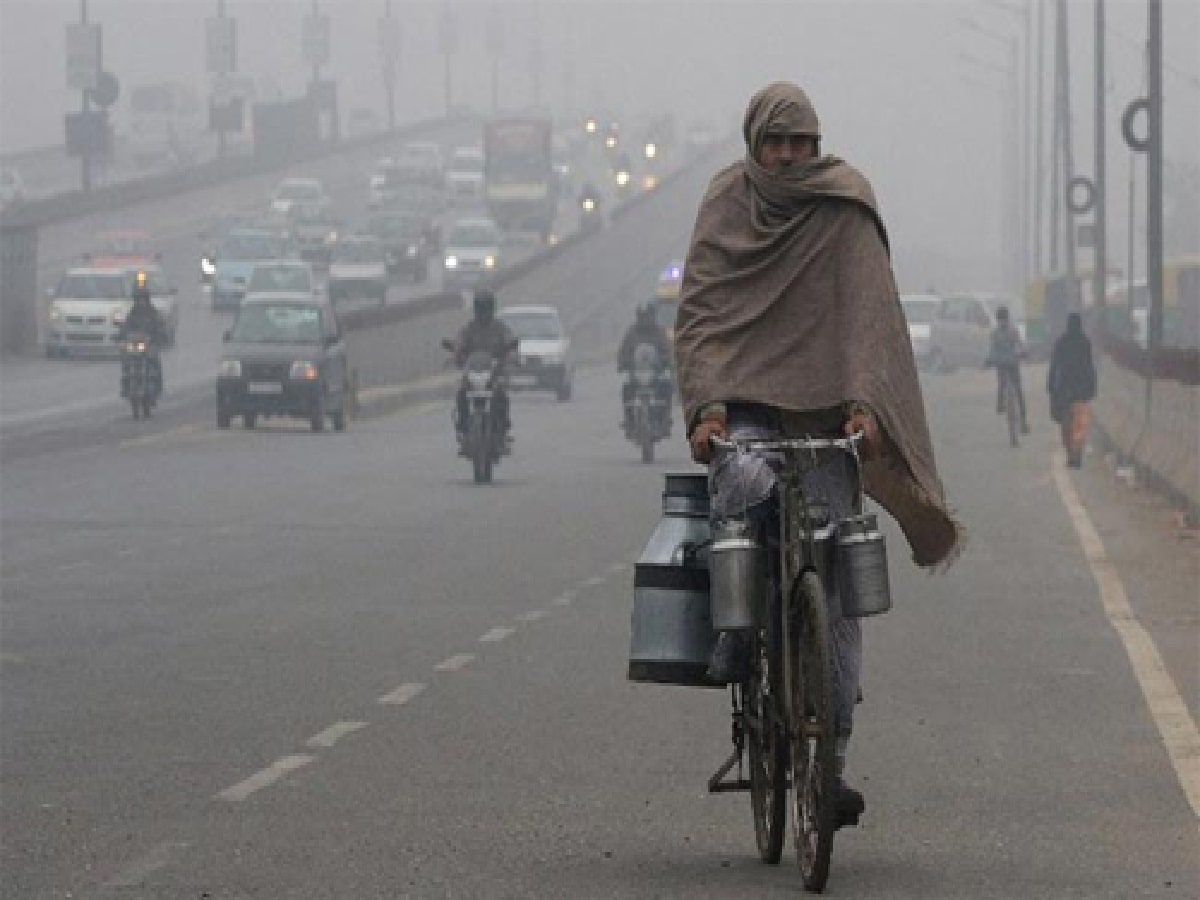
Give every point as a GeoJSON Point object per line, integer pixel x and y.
{"type": "Point", "coordinates": [850, 805]}
{"type": "Point", "coordinates": [730, 661]}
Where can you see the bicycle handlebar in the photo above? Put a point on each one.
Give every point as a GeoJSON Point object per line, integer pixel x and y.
{"type": "Point", "coordinates": [848, 443]}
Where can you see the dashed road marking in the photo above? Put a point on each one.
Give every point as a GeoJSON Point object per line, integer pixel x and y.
{"type": "Point", "coordinates": [497, 634]}
{"type": "Point", "coordinates": [402, 694]}
{"type": "Point", "coordinates": [565, 599]}
{"type": "Point", "coordinates": [333, 734]}
{"type": "Point", "coordinates": [533, 615]}
{"type": "Point", "coordinates": [594, 581]}
{"type": "Point", "coordinates": [159, 436]}
{"type": "Point", "coordinates": [1175, 725]}
{"type": "Point", "coordinates": [454, 663]}
{"type": "Point", "coordinates": [265, 778]}
{"type": "Point", "coordinates": [159, 857]}
{"type": "Point", "coordinates": [71, 566]}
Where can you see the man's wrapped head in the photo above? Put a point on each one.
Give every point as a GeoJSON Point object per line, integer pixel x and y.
{"type": "Point", "coordinates": [779, 108]}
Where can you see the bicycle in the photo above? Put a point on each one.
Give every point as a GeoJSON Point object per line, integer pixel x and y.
{"type": "Point", "coordinates": [784, 709]}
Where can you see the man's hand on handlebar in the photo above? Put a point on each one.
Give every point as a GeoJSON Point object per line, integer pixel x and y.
{"type": "Point", "coordinates": [864, 421]}
{"type": "Point", "coordinates": [711, 426]}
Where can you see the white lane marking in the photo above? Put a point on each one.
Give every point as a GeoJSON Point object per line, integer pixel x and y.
{"type": "Point", "coordinates": [497, 634]}
{"type": "Point", "coordinates": [402, 694]}
{"type": "Point", "coordinates": [594, 581]}
{"type": "Point", "coordinates": [454, 663]}
{"type": "Point", "coordinates": [1170, 713]}
{"type": "Point", "coordinates": [565, 599]}
{"type": "Point", "coordinates": [265, 777]}
{"type": "Point", "coordinates": [533, 615]}
{"type": "Point", "coordinates": [333, 734]}
{"type": "Point", "coordinates": [68, 567]}
{"type": "Point", "coordinates": [159, 857]}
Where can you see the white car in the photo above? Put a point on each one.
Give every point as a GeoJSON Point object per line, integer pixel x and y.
{"type": "Point", "coordinates": [471, 252]}
{"type": "Point", "coordinates": [962, 330]}
{"type": "Point", "coordinates": [544, 359]}
{"type": "Point", "coordinates": [89, 305]}
{"type": "Point", "coordinates": [464, 174]}
{"type": "Point", "coordinates": [303, 198]}
{"type": "Point", "coordinates": [282, 276]}
{"type": "Point", "coordinates": [920, 310]}
{"type": "Point", "coordinates": [358, 268]}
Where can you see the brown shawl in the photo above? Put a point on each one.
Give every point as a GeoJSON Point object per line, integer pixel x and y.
{"type": "Point", "coordinates": [789, 300]}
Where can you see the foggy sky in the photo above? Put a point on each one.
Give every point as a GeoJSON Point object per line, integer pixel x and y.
{"type": "Point", "coordinates": [895, 94]}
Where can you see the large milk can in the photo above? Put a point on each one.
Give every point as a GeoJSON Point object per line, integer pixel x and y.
{"type": "Point", "coordinates": [671, 627]}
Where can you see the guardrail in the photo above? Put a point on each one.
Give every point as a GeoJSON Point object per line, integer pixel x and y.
{"type": "Point", "coordinates": [78, 203]}
{"type": "Point", "coordinates": [1147, 411]}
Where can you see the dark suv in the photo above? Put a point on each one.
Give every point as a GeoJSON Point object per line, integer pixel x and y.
{"type": "Point", "coordinates": [284, 356]}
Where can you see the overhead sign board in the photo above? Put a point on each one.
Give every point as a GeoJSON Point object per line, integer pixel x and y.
{"type": "Point", "coordinates": [83, 56]}
{"type": "Point", "coordinates": [220, 45]}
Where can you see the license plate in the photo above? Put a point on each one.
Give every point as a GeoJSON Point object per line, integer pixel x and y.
{"type": "Point", "coordinates": [264, 387]}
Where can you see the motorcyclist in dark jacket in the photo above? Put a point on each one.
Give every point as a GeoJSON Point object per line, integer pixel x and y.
{"type": "Point", "coordinates": [644, 330]}
{"type": "Point", "coordinates": [484, 333]}
{"type": "Point", "coordinates": [143, 318]}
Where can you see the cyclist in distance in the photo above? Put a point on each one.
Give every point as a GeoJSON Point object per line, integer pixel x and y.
{"type": "Point", "coordinates": [790, 325]}
{"type": "Point", "coordinates": [1007, 351]}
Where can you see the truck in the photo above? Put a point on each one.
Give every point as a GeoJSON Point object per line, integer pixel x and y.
{"type": "Point", "coordinates": [519, 182]}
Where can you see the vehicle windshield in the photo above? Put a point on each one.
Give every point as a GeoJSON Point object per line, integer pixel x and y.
{"type": "Point", "coordinates": [245, 246]}
{"type": "Point", "coordinates": [920, 312]}
{"type": "Point", "coordinates": [277, 323]}
{"type": "Point", "coordinates": [279, 278]}
{"type": "Point", "coordinates": [357, 252]}
{"type": "Point", "coordinates": [94, 287]}
{"type": "Point", "coordinates": [533, 326]}
{"type": "Point", "coordinates": [298, 190]}
{"type": "Point", "coordinates": [473, 236]}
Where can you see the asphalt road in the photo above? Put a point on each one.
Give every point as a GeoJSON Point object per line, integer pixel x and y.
{"type": "Point", "coordinates": [277, 664]}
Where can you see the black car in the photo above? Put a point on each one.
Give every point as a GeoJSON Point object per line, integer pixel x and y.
{"type": "Point", "coordinates": [284, 356]}
{"type": "Point", "coordinates": [406, 240]}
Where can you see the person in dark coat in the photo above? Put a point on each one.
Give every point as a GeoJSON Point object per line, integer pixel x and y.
{"type": "Point", "coordinates": [1071, 383]}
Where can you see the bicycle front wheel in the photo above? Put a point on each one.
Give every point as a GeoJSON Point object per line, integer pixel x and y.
{"type": "Point", "coordinates": [813, 734]}
{"type": "Point", "coordinates": [1012, 411]}
{"type": "Point", "coordinates": [766, 745]}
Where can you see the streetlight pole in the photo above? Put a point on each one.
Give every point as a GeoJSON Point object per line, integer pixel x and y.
{"type": "Point", "coordinates": [1010, 142]}
{"type": "Point", "coordinates": [1154, 175]}
{"type": "Point", "coordinates": [1100, 243]}
{"type": "Point", "coordinates": [85, 158]}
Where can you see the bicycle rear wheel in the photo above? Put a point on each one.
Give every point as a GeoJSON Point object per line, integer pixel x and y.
{"type": "Point", "coordinates": [813, 732]}
{"type": "Point", "coordinates": [1012, 411]}
{"type": "Point", "coordinates": [766, 745]}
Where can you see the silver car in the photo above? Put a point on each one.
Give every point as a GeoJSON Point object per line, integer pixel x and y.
{"type": "Point", "coordinates": [544, 358]}
{"type": "Point", "coordinates": [961, 332]}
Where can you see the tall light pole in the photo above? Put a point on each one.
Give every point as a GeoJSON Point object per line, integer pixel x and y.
{"type": "Point", "coordinates": [448, 41]}
{"type": "Point", "coordinates": [389, 52]}
{"type": "Point", "coordinates": [1100, 241]}
{"type": "Point", "coordinates": [1012, 229]}
{"type": "Point", "coordinates": [1154, 174]}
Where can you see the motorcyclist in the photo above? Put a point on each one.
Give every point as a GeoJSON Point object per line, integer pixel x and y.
{"type": "Point", "coordinates": [1007, 351]}
{"type": "Point", "coordinates": [484, 333]}
{"type": "Point", "coordinates": [644, 330]}
{"type": "Point", "coordinates": [143, 318]}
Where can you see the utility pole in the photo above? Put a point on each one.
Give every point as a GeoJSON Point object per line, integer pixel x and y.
{"type": "Point", "coordinates": [1100, 275]}
{"type": "Point", "coordinates": [1056, 188]}
{"type": "Point", "coordinates": [389, 44]}
{"type": "Point", "coordinates": [1154, 175]}
{"type": "Point", "coordinates": [1039, 142]}
{"type": "Point", "coordinates": [448, 38]}
{"type": "Point", "coordinates": [85, 158]}
{"type": "Point", "coordinates": [1067, 143]}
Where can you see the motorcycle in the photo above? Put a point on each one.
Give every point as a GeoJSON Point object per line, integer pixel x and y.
{"type": "Point", "coordinates": [483, 439]}
{"type": "Point", "coordinates": [647, 400]}
{"type": "Point", "coordinates": [141, 382]}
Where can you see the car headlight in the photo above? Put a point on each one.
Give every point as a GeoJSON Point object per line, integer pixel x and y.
{"type": "Point", "coordinates": [207, 266]}
{"type": "Point", "coordinates": [411, 250]}
{"type": "Point", "coordinates": [478, 381]}
{"type": "Point", "coordinates": [331, 238]}
{"type": "Point", "coordinates": [303, 370]}
{"type": "Point", "coordinates": [230, 368]}
{"type": "Point", "coordinates": [55, 314]}
{"type": "Point", "coordinates": [622, 178]}
{"type": "Point", "coordinates": [589, 204]}
{"type": "Point", "coordinates": [489, 262]}
{"type": "Point", "coordinates": [118, 317]}
{"type": "Point", "coordinates": [451, 262]}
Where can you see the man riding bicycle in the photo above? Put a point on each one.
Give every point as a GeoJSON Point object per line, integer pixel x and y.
{"type": "Point", "coordinates": [1007, 351]}
{"type": "Point", "coordinates": [789, 325]}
